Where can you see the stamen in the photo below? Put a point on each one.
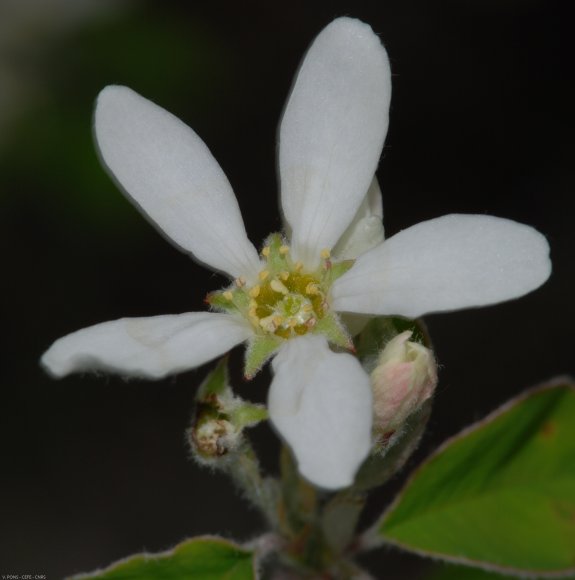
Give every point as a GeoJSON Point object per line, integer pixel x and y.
{"type": "Point", "coordinates": [284, 275]}
{"type": "Point", "coordinates": [277, 286]}
{"type": "Point", "coordinates": [240, 282]}
{"type": "Point", "coordinates": [311, 322]}
{"type": "Point", "coordinates": [254, 291]}
{"type": "Point", "coordinates": [278, 320]}
{"type": "Point", "coordinates": [263, 275]}
{"type": "Point", "coordinates": [298, 266]}
{"type": "Point", "coordinates": [311, 289]}
{"type": "Point", "coordinates": [268, 323]}
{"type": "Point", "coordinates": [325, 254]}
{"type": "Point", "coordinates": [265, 251]}
{"type": "Point", "coordinates": [284, 250]}
{"type": "Point", "coordinates": [228, 295]}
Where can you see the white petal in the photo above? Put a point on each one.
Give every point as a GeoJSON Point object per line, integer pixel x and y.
{"type": "Point", "coordinates": [320, 402]}
{"type": "Point", "coordinates": [332, 134]}
{"type": "Point", "coordinates": [150, 348]}
{"type": "Point", "coordinates": [366, 229]}
{"type": "Point", "coordinates": [447, 263]}
{"type": "Point", "coordinates": [170, 174]}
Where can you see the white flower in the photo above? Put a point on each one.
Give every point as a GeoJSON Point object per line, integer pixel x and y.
{"type": "Point", "coordinates": [285, 302]}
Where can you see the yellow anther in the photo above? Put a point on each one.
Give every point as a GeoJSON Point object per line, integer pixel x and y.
{"type": "Point", "coordinates": [284, 250]}
{"type": "Point", "coordinates": [292, 322]}
{"type": "Point", "coordinates": [298, 266]}
{"type": "Point", "coordinates": [253, 303]}
{"type": "Point", "coordinates": [228, 295]}
{"type": "Point", "coordinates": [284, 275]}
{"type": "Point", "coordinates": [278, 320]}
{"type": "Point", "coordinates": [325, 254]}
{"type": "Point", "coordinates": [263, 275]}
{"type": "Point", "coordinates": [266, 251]}
{"type": "Point", "coordinates": [240, 282]}
{"type": "Point", "coordinates": [253, 314]}
{"type": "Point", "coordinates": [311, 289]}
{"type": "Point", "coordinates": [277, 286]}
{"type": "Point", "coordinates": [254, 291]}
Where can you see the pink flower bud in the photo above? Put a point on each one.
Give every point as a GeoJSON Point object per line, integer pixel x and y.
{"type": "Point", "coordinates": [404, 378]}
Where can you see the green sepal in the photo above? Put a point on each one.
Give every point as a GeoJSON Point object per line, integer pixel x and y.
{"type": "Point", "coordinates": [331, 327]}
{"type": "Point", "coordinates": [247, 414]}
{"type": "Point", "coordinates": [218, 301]}
{"type": "Point", "coordinates": [239, 301]}
{"type": "Point", "coordinates": [384, 462]}
{"type": "Point", "coordinates": [216, 383]}
{"type": "Point", "coordinates": [276, 261]}
{"type": "Point", "coordinates": [500, 495]}
{"type": "Point", "coordinates": [205, 558]}
{"type": "Point", "coordinates": [337, 270]}
{"type": "Point", "coordinates": [259, 350]}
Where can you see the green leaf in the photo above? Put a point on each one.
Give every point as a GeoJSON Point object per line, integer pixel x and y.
{"type": "Point", "coordinates": [451, 572]}
{"type": "Point", "coordinates": [205, 558]}
{"type": "Point", "coordinates": [501, 494]}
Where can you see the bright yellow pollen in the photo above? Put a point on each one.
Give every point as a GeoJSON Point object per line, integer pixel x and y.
{"type": "Point", "coordinates": [284, 250]}
{"type": "Point", "coordinates": [228, 295]}
{"type": "Point", "coordinates": [284, 275]}
{"type": "Point", "coordinates": [266, 251]}
{"type": "Point", "coordinates": [255, 291]}
{"type": "Point", "coordinates": [263, 275]}
{"type": "Point", "coordinates": [325, 254]}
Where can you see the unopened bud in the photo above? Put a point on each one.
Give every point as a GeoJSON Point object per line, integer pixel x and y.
{"type": "Point", "coordinates": [404, 378]}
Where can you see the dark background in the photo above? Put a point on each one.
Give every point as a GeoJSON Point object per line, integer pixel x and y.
{"type": "Point", "coordinates": [96, 468]}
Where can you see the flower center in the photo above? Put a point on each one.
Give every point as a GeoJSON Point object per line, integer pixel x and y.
{"type": "Point", "coordinates": [287, 303]}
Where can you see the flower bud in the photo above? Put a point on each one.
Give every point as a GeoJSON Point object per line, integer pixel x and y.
{"type": "Point", "coordinates": [404, 378]}
{"type": "Point", "coordinates": [216, 433]}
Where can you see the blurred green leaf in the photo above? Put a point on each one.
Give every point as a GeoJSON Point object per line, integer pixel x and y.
{"type": "Point", "coordinates": [201, 558]}
{"type": "Point", "coordinates": [501, 493]}
{"type": "Point", "coordinates": [451, 572]}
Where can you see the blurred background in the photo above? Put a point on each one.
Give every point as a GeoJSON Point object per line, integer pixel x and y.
{"type": "Point", "coordinates": [95, 468]}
